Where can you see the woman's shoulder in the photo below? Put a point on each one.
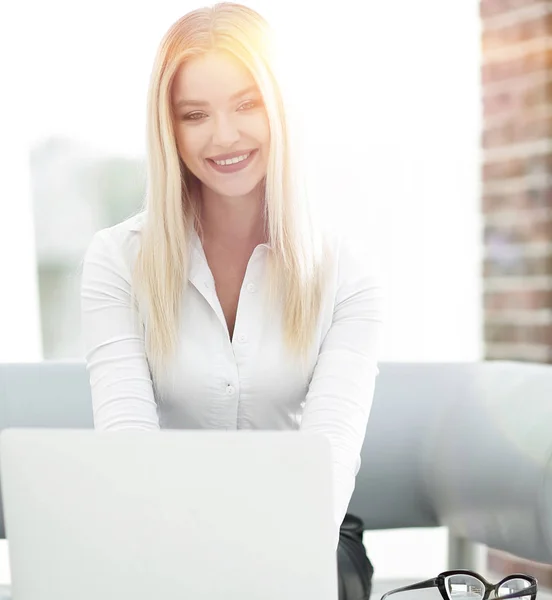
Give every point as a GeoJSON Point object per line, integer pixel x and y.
{"type": "Point", "coordinates": [118, 244]}
{"type": "Point", "coordinates": [123, 231]}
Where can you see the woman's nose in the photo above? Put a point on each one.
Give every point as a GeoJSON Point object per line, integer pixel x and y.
{"type": "Point", "coordinates": [225, 132]}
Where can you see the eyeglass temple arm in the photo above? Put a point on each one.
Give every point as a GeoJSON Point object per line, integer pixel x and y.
{"type": "Point", "coordinates": [532, 589]}
{"type": "Point", "coordinates": [415, 586]}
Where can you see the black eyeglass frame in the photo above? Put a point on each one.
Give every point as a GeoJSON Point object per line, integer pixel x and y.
{"type": "Point", "coordinates": [439, 582]}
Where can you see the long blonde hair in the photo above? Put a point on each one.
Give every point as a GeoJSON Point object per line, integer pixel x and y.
{"type": "Point", "coordinates": [296, 252]}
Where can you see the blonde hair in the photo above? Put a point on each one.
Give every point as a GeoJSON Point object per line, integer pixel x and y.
{"type": "Point", "coordinates": [296, 256]}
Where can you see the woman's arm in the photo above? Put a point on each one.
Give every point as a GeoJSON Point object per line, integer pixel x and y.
{"type": "Point", "coordinates": [120, 379]}
{"type": "Point", "coordinates": [341, 391]}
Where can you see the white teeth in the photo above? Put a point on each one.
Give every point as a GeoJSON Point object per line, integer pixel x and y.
{"type": "Point", "coordinates": [232, 161]}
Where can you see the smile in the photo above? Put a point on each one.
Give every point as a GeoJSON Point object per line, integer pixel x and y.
{"type": "Point", "coordinates": [232, 164]}
{"type": "Point", "coordinates": [232, 161]}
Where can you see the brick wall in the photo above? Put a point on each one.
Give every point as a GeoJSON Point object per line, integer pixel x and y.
{"type": "Point", "coordinates": [517, 192]}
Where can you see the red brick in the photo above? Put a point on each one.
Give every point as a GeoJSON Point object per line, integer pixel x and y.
{"type": "Point", "coordinates": [501, 103]}
{"type": "Point", "coordinates": [522, 96]}
{"type": "Point", "coordinates": [517, 167]}
{"type": "Point", "coordinates": [502, 70]}
{"type": "Point", "coordinates": [516, 333]}
{"type": "Point", "coordinates": [517, 33]}
{"type": "Point", "coordinates": [493, 8]}
{"type": "Point", "coordinates": [525, 266]}
{"type": "Point", "coordinates": [516, 131]}
{"type": "Point", "coordinates": [519, 201]}
{"type": "Point", "coordinates": [530, 96]}
{"type": "Point", "coordinates": [526, 229]}
{"type": "Point", "coordinates": [518, 300]}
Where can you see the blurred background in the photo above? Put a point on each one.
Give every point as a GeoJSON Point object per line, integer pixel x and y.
{"type": "Point", "coordinates": [428, 130]}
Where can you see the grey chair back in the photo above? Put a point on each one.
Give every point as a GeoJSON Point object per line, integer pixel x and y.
{"type": "Point", "coordinates": [467, 445]}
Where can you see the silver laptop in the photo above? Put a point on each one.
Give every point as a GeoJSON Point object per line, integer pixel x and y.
{"type": "Point", "coordinates": [187, 515]}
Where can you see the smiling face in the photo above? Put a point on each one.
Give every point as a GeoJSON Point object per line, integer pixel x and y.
{"type": "Point", "coordinates": [221, 127]}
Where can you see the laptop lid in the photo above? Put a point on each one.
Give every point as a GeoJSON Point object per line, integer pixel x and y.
{"type": "Point", "coordinates": [168, 514]}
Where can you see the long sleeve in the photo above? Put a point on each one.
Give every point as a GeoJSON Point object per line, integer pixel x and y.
{"type": "Point", "coordinates": [120, 379]}
{"type": "Point", "coordinates": [340, 394]}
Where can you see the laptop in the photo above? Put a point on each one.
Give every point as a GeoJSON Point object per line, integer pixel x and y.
{"type": "Point", "coordinates": [171, 515]}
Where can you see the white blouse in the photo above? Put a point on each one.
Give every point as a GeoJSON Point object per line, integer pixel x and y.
{"type": "Point", "coordinates": [248, 382]}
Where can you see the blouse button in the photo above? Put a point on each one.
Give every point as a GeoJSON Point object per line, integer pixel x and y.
{"type": "Point", "coordinates": [242, 337]}
{"type": "Point", "coordinates": [229, 390]}
{"type": "Point", "coordinates": [251, 287]}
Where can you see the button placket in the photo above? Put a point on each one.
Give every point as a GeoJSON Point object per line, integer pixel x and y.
{"type": "Point", "coordinates": [251, 288]}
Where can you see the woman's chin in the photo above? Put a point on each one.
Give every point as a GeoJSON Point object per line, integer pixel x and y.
{"type": "Point", "coordinates": [235, 190]}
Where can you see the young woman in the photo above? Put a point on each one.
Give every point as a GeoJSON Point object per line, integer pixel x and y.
{"type": "Point", "coordinates": [221, 305]}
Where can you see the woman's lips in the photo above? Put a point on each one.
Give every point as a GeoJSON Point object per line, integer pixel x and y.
{"type": "Point", "coordinates": [233, 167]}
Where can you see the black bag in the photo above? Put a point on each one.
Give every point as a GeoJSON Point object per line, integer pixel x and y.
{"type": "Point", "coordinates": [354, 569]}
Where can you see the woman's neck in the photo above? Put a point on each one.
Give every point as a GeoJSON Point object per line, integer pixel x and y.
{"type": "Point", "coordinates": [232, 222]}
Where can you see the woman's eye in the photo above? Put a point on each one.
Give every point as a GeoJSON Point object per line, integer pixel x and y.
{"type": "Point", "coordinates": [195, 116]}
{"type": "Point", "coordinates": [248, 105]}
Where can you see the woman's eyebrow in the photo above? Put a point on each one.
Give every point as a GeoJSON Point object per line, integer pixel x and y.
{"type": "Point", "coordinates": [247, 90]}
{"type": "Point", "coordinates": [187, 102]}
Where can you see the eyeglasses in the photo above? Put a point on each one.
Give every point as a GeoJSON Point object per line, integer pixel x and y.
{"type": "Point", "coordinates": [467, 585]}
